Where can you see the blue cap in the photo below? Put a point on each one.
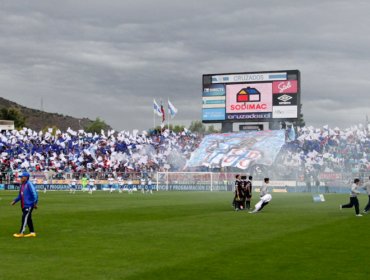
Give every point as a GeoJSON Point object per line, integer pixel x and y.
{"type": "Point", "coordinates": [24, 174]}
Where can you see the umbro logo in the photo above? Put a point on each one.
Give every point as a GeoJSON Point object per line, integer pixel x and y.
{"type": "Point", "coordinates": [284, 98]}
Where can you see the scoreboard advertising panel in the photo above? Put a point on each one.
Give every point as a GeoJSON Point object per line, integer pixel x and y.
{"type": "Point", "coordinates": [254, 96]}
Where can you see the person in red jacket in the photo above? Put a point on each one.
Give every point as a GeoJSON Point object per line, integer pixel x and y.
{"type": "Point", "coordinates": [28, 198]}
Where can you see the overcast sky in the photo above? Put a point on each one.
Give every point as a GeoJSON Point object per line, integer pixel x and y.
{"type": "Point", "coordinates": [110, 58]}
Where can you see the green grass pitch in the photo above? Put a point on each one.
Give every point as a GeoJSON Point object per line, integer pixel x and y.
{"type": "Point", "coordinates": [184, 235]}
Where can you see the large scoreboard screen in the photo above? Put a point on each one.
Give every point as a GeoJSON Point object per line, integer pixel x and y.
{"type": "Point", "coordinates": [253, 96]}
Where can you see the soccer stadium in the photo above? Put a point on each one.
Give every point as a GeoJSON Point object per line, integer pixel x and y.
{"type": "Point", "coordinates": [162, 205]}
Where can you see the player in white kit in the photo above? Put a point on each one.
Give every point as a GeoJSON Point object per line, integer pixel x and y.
{"type": "Point", "coordinates": [111, 183]}
{"type": "Point", "coordinates": [265, 197]}
{"type": "Point", "coordinates": [91, 185]}
{"type": "Point", "coordinates": [72, 185]}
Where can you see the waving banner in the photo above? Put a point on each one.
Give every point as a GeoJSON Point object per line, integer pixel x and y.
{"type": "Point", "coordinates": [240, 150]}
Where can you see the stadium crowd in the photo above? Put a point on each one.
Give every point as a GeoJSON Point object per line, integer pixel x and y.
{"type": "Point", "coordinates": [308, 151]}
{"type": "Point", "coordinates": [317, 150]}
{"type": "Point", "coordinates": [80, 152]}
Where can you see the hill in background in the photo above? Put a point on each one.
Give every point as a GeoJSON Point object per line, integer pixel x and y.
{"type": "Point", "coordinates": [38, 120]}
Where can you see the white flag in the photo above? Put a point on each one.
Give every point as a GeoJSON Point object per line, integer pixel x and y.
{"type": "Point", "coordinates": [157, 109]}
{"type": "Point", "coordinates": [172, 110]}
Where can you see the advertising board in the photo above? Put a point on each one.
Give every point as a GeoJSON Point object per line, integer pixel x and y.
{"type": "Point", "coordinates": [251, 96]}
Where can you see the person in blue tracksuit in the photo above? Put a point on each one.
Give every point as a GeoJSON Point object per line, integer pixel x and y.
{"type": "Point", "coordinates": [28, 198]}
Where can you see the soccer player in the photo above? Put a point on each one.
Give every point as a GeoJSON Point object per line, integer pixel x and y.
{"type": "Point", "coordinates": [91, 185]}
{"type": "Point", "coordinates": [142, 185]}
{"type": "Point", "coordinates": [45, 183]}
{"type": "Point", "coordinates": [120, 183]}
{"type": "Point", "coordinates": [236, 197]}
{"type": "Point", "coordinates": [28, 198]}
{"type": "Point", "coordinates": [353, 200]}
{"type": "Point", "coordinates": [248, 194]}
{"type": "Point", "coordinates": [130, 185]}
{"type": "Point", "coordinates": [244, 190]}
{"type": "Point", "coordinates": [367, 188]}
{"type": "Point", "coordinates": [150, 186]}
{"type": "Point", "coordinates": [72, 188]}
{"type": "Point", "coordinates": [34, 181]}
{"type": "Point", "coordinates": [239, 194]}
{"type": "Point", "coordinates": [83, 182]}
{"type": "Point", "coordinates": [265, 197]}
{"type": "Point", "coordinates": [110, 183]}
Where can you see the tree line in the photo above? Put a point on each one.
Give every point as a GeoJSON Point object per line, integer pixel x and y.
{"type": "Point", "coordinates": [20, 121]}
{"type": "Point", "coordinates": [96, 126]}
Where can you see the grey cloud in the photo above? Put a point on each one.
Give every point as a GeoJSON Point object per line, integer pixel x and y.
{"type": "Point", "coordinates": [111, 58]}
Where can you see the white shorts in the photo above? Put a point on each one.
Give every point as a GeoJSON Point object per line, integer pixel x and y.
{"type": "Point", "coordinates": [266, 198]}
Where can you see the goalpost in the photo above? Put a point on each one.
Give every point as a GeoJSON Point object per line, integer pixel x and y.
{"type": "Point", "coordinates": [214, 181]}
{"type": "Point", "coordinates": [194, 181]}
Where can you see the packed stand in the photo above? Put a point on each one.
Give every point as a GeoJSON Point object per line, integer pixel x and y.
{"type": "Point", "coordinates": [308, 152]}
{"type": "Point", "coordinates": [325, 150]}
{"type": "Point", "coordinates": [79, 152]}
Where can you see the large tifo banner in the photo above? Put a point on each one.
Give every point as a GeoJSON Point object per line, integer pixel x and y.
{"type": "Point", "coordinates": [240, 150]}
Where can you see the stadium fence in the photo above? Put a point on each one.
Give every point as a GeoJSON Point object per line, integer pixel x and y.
{"type": "Point", "coordinates": [330, 182]}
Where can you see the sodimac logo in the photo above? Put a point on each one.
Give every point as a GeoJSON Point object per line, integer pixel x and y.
{"type": "Point", "coordinates": [249, 98]}
{"type": "Point", "coordinates": [246, 95]}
